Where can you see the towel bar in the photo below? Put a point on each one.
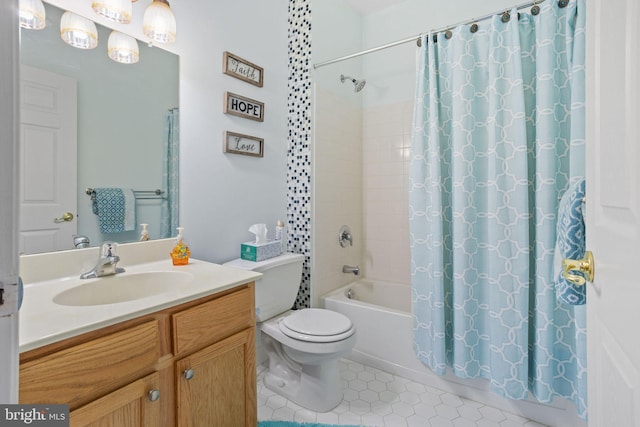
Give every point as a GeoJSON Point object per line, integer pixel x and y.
{"type": "Point", "coordinates": [140, 194]}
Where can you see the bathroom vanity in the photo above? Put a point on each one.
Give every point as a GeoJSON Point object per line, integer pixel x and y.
{"type": "Point", "coordinates": [185, 357]}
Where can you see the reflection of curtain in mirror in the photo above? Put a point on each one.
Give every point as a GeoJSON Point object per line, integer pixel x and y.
{"type": "Point", "coordinates": [170, 172]}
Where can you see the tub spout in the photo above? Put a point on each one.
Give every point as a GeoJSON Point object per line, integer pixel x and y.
{"type": "Point", "coordinates": [349, 269]}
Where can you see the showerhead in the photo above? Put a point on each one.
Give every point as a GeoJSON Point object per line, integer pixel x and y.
{"type": "Point", "coordinates": [358, 84]}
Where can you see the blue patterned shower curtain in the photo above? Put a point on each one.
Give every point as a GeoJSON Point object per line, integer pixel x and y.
{"type": "Point", "coordinates": [499, 128]}
{"type": "Point", "coordinates": [170, 175]}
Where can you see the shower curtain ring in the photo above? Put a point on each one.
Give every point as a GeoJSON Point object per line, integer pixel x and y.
{"type": "Point", "coordinates": [448, 34]}
{"type": "Point", "coordinates": [535, 10]}
{"type": "Point", "coordinates": [474, 27]}
{"type": "Point", "coordinates": [506, 16]}
{"type": "Point", "coordinates": [563, 3]}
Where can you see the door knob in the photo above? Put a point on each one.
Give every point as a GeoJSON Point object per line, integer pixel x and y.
{"type": "Point", "coordinates": [66, 217]}
{"type": "Point", "coordinates": [188, 373]}
{"type": "Point", "coordinates": [584, 265]}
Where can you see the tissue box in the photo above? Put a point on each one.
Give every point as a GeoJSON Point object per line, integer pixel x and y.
{"type": "Point", "coordinates": [252, 251]}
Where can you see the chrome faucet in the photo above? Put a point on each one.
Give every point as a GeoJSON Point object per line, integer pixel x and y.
{"type": "Point", "coordinates": [349, 269]}
{"type": "Point", "coordinates": [106, 265]}
{"type": "Point", "coordinates": [80, 241]}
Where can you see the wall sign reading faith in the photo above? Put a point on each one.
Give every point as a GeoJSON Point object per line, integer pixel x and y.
{"type": "Point", "coordinates": [237, 143]}
{"type": "Point", "coordinates": [243, 107]}
{"type": "Point", "coordinates": [242, 69]}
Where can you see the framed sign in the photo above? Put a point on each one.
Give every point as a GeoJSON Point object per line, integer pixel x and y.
{"type": "Point", "coordinates": [243, 107]}
{"type": "Point", "coordinates": [237, 143]}
{"type": "Point", "coordinates": [242, 69]}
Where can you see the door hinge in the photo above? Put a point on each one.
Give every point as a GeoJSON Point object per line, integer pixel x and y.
{"type": "Point", "coordinates": [1, 296]}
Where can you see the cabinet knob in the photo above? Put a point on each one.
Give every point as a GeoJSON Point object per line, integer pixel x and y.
{"type": "Point", "coordinates": [154, 395]}
{"type": "Point", "coordinates": [188, 373]}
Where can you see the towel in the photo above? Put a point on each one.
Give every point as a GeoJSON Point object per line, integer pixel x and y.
{"type": "Point", "coordinates": [115, 208]}
{"type": "Point", "coordinates": [570, 243]}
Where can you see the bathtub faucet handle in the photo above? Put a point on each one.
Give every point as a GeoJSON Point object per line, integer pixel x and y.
{"type": "Point", "coordinates": [349, 269]}
{"type": "Point", "coordinates": [344, 236]}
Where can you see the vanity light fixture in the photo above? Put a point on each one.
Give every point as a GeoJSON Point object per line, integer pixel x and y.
{"type": "Point", "coordinates": [123, 48]}
{"type": "Point", "coordinates": [32, 14]}
{"type": "Point", "coordinates": [159, 23]}
{"type": "Point", "coordinates": [78, 31]}
{"type": "Point", "coordinates": [116, 10]}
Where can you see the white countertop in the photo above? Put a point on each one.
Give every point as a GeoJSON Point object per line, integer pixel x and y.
{"type": "Point", "coordinates": [42, 321]}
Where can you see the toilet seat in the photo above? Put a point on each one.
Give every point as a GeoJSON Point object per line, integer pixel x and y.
{"type": "Point", "coordinates": [316, 325]}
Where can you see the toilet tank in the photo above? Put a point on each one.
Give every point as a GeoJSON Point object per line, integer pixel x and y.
{"type": "Point", "coordinates": [277, 289]}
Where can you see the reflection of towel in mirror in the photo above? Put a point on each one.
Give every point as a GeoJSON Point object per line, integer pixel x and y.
{"type": "Point", "coordinates": [570, 243]}
{"type": "Point", "coordinates": [115, 208]}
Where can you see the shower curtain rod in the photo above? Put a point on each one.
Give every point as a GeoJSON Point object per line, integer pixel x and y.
{"type": "Point", "coordinates": [419, 36]}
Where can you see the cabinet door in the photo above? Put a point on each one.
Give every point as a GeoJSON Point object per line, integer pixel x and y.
{"type": "Point", "coordinates": [216, 386]}
{"type": "Point", "coordinates": [132, 405]}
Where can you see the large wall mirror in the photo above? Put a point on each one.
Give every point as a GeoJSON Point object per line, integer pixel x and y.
{"type": "Point", "coordinates": [125, 118]}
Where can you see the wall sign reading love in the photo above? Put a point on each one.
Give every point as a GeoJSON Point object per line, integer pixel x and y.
{"type": "Point", "coordinates": [243, 107]}
{"type": "Point", "coordinates": [237, 143]}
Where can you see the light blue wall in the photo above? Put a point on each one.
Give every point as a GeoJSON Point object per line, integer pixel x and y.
{"type": "Point", "coordinates": [121, 116]}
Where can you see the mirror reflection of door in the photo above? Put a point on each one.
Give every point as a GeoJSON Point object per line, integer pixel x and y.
{"type": "Point", "coordinates": [48, 129]}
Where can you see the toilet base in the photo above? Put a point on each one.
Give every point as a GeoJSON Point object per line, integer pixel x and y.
{"type": "Point", "coordinates": [314, 387]}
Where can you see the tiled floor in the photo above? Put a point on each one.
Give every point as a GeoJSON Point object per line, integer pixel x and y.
{"type": "Point", "coordinates": [376, 398]}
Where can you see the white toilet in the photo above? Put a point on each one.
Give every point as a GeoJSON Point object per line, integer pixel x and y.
{"type": "Point", "coordinates": [303, 346]}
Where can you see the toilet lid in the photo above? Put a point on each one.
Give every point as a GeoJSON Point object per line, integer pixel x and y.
{"type": "Point", "coordinates": [316, 325]}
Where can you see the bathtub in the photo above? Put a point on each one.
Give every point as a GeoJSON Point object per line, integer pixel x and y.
{"type": "Point", "coordinates": [381, 313]}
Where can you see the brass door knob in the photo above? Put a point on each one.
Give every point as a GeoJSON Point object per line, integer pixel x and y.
{"type": "Point", "coordinates": [584, 265]}
{"type": "Point", "coordinates": [66, 217]}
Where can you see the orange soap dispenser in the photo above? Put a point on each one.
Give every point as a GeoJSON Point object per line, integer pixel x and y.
{"type": "Point", "coordinates": [180, 253]}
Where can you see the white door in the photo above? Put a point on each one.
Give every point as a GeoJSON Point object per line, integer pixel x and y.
{"type": "Point", "coordinates": [48, 142]}
{"type": "Point", "coordinates": [613, 211]}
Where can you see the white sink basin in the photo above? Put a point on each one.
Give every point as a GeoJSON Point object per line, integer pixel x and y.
{"type": "Point", "coordinates": [123, 287]}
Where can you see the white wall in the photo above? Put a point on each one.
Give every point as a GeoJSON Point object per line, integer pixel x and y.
{"type": "Point", "coordinates": [337, 147]}
{"type": "Point", "coordinates": [391, 72]}
{"type": "Point", "coordinates": [223, 194]}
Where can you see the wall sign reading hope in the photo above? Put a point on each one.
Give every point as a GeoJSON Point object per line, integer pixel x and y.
{"type": "Point", "coordinates": [243, 107]}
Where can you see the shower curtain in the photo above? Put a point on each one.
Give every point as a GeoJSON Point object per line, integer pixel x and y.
{"type": "Point", "coordinates": [170, 173]}
{"type": "Point", "coordinates": [498, 138]}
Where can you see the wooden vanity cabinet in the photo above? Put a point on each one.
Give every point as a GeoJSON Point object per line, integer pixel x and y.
{"type": "Point", "coordinates": [188, 365]}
